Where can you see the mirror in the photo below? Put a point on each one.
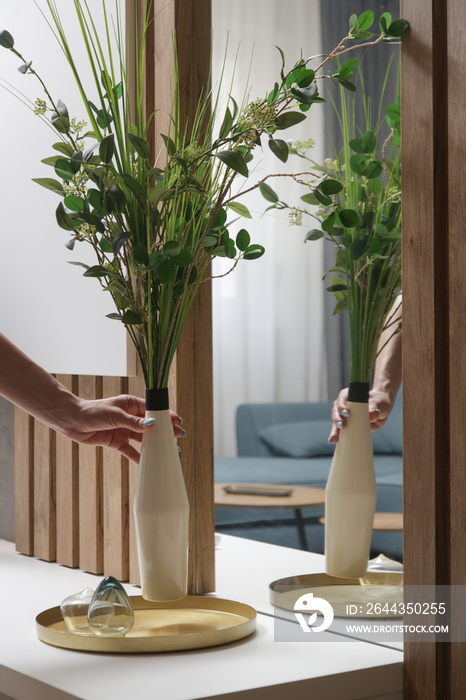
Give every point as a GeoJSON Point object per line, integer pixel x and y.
{"type": "Point", "coordinates": [275, 336]}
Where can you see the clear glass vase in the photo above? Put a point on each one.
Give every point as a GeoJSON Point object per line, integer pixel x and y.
{"type": "Point", "coordinates": [161, 508]}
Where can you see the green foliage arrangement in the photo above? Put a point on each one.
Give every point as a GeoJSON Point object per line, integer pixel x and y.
{"type": "Point", "coordinates": [156, 222]}
{"type": "Point", "coordinates": [356, 198]}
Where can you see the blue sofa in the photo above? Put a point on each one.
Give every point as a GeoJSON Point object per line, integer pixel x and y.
{"type": "Point", "coordinates": [287, 443]}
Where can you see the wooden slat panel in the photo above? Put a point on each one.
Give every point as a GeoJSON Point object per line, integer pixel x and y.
{"type": "Point", "coordinates": [135, 385]}
{"type": "Point", "coordinates": [115, 501]}
{"type": "Point", "coordinates": [67, 492]}
{"type": "Point", "coordinates": [90, 492]}
{"type": "Point", "coordinates": [45, 545]}
{"type": "Point", "coordinates": [24, 482]}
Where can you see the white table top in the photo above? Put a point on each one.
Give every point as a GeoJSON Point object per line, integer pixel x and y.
{"type": "Point", "coordinates": [257, 668]}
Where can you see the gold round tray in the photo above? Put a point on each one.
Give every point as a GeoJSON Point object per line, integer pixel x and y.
{"type": "Point", "coordinates": [340, 592]}
{"type": "Point", "coordinates": [193, 622]}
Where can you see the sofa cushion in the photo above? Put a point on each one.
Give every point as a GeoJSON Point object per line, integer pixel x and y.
{"type": "Point", "coordinates": [298, 440]}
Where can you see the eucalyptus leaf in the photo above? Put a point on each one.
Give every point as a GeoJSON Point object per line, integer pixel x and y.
{"type": "Point", "coordinates": [184, 258]}
{"type": "Point", "coordinates": [279, 148]}
{"type": "Point", "coordinates": [169, 144]}
{"type": "Point", "coordinates": [171, 249]}
{"type": "Point", "coordinates": [50, 161]}
{"type": "Point", "coordinates": [105, 245]}
{"type": "Point", "coordinates": [310, 198]}
{"type": "Point", "coordinates": [253, 252]}
{"type": "Point", "coordinates": [329, 222]}
{"type": "Point", "coordinates": [330, 187]}
{"type": "Point", "coordinates": [226, 124]}
{"type": "Point", "coordinates": [321, 197]}
{"type": "Point", "coordinates": [288, 119]}
{"type": "Point", "coordinates": [107, 148]}
{"type": "Point", "coordinates": [131, 318]}
{"type": "Point", "coordinates": [273, 94]}
{"type": "Point", "coordinates": [372, 169]}
{"type": "Point", "coordinates": [349, 218]}
{"type": "Point", "coordinates": [63, 219]}
{"type": "Point", "coordinates": [398, 27]}
{"type": "Point", "coordinates": [6, 40]}
{"type": "Point", "coordinates": [96, 271]}
{"type": "Point", "coordinates": [140, 145]}
{"type": "Point", "coordinates": [268, 193]}
{"type": "Point", "coordinates": [314, 235]}
{"type": "Point", "coordinates": [306, 95]}
{"type": "Point", "coordinates": [50, 184]}
{"type": "Point", "coordinates": [74, 203]}
{"type": "Point", "coordinates": [384, 22]}
{"type": "Point", "coordinates": [366, 20]}
{"type": "Point", "coordinates": [140, 254]}
{"type": "Point", "coordinates": [166, 272]}
{"type": "Point", "coordinates": [116, 196]}
{"type": "Point", "coordinates": [64, 169]}
{"type": "Point", "coordinates": [65, 148]}
{"type": "Point", "coordinates": [137, 189]}
{"type": "Point", "coordinates": [243, 240]}
{"type": "Point", "coordinates": [234, 160]}
{"type": "Point", "coordinates": [240, 209]}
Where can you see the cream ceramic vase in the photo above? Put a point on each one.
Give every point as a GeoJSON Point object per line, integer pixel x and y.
{"type": "Point", "coordinates": [161, 509]}
{"type": "Point", "coordinates": [351, 493]}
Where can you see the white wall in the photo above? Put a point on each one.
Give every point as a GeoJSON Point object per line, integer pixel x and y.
{"type": "Point", "coordinates": [46, 306]}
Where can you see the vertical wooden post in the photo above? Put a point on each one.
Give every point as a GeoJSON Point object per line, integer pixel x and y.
{"type": "Point", "coordinates": [434, 333]}
{"type": "Point", "coordinates": [456, 507]}
{"type": "Point", "coordinates": [191, 384]}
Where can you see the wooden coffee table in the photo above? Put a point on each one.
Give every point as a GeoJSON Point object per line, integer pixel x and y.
{"type": "Point", "coordinates": [384, 522]}
{"type": "Point", "coordinates": [299, 497]}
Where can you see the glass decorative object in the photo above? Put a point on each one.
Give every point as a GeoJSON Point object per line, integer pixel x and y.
{"type": "Point", "coordinates": [383, 576]}
{"type": "Point", "coordinates": [110, 611]}
{"type": "Point", "coordinates": [74, 610]}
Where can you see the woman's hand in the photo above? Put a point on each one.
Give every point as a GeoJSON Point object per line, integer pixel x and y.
{"type": "Point", "coordinates": [112, 423]}
{"type": "Point", "coordinates": [380, 405]}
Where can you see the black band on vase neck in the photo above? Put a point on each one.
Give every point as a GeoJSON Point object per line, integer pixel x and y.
{"type": "Point", "coordinates": [157, 399]}
{"type": "Point", "coordinates": [358, 392]}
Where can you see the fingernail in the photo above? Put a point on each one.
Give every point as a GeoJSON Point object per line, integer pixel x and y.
{"type": "Point", "coordinates": [148, 421]}
{"type": "Point", "coordinates": [180, 422]}
{"type": "Point", "coordinates": [340, 425]}
{"type": "Point", "coordinates": [345, 413]}
{"type": "Point", "coordinates": [378, 411]}
{"type": "Point", "coordinates": [178, 448]}
{"type": "Point", "coordinates": [329, 441]}
{"type": "Point", "coordinates": [183, 433]}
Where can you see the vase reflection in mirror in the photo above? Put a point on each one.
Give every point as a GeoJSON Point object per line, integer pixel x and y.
{"type": "Point", "coordinates": [351, 493]}
{"type": "Point", "coordinates": [161, 508]}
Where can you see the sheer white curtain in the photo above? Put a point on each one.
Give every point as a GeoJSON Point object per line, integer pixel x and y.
{"type": "Point", "coordinates": [268, 315]}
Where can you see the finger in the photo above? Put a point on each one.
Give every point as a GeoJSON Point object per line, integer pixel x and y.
{"type": "Point", "coordinates": [334, 434]}
{"type": "Point", "coordinates": [176, 419]}
{"type": "Point", "coordinates": [179, 432]}
{"type": "Point", "coordinates": [130, 452]}
{"type": "Point", "coordinates": [129, 404]}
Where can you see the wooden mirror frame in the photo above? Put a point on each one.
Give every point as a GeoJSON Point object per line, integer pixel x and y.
{"type": "Point", "coordinates": [434, 318]}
